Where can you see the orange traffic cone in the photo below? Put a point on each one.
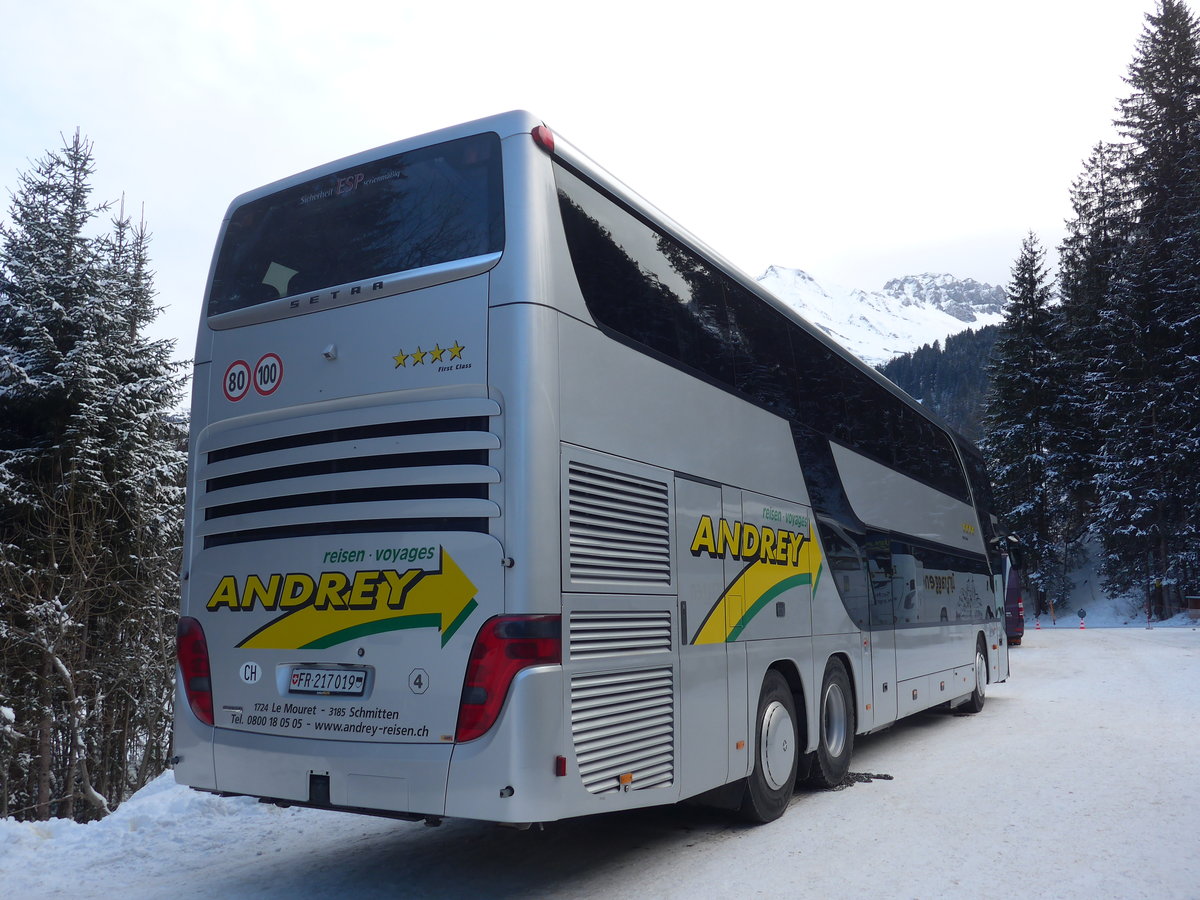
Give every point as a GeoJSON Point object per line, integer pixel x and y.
{"type": "Point", "coordinates": [1082, 627]}
{"type": "Point", "coordinates": [1037, 624]}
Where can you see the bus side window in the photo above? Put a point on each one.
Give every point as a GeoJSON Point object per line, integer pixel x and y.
{"type": "Point", "coordinates": [883, 575]}
{"type": "Point", "coordinates": [849, 571]}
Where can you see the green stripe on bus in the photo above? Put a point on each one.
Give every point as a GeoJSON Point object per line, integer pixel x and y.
{"type": "Point", "coordinates": [786, 584]}
{"type": "Point", "coordinates": [458, 620]}
{"type": "Point", "coordinates": [398, 623]}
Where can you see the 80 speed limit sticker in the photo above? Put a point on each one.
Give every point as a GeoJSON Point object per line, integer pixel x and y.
{"type": "Point", "coordinates": [236, 382]}
{"type": "Point", "coordinates": [265, 377]}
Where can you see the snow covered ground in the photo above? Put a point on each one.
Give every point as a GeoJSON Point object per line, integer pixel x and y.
{"type": "Point", "coordinates": [1081, 778]}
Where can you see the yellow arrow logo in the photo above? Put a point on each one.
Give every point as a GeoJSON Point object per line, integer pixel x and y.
{"type": "Point", "coordinates": [756, 585]}
{"type": "Point", "coordinates": [372, 602]}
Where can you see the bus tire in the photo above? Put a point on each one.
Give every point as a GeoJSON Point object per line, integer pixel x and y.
{"type": "Point", "coordinates": [835, 728]}
{"type": "Point", "coordinates": [979, 695]}
{"type": "Point", "coordinates": [771, 783]}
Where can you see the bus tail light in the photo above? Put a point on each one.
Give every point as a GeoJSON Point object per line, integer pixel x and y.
{"type": "Point", "coordinates": [192, 651]}
{"type": "Point", "coordinates": [544, 138]}
{"type": "Point", "coordinates": [505, 646]}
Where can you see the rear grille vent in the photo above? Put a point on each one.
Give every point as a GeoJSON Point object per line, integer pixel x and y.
{"type": "Point", "coordinates": [601, 634]}
{"type": "Point", "coordinates": [618, 527]}
{"type": "Point", "coordinates": [360, 464]}
{"type": "Point", "coordinates": [623, 725]}
{"type": "Point", "coordinates": [352, 433]}
{"type": "Point", "coordinates": [403, 467]}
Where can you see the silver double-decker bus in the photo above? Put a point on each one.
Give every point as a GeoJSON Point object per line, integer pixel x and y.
{"type": "Point", "coordinates": [511, 500]}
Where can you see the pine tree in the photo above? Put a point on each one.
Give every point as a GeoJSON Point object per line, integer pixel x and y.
{"type": "Point", "coordinates": [47, 278]}
{"type": "Point", "coordinates": [1097, 239]}
{"type": "Point", "coordinates": [1017, 431]}
{"type": "Point", "coordinates": [91, 467]}
{"type": "Point", "coordinates": [1149, 497]}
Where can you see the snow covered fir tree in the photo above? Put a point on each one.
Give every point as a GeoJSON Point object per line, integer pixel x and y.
{"type": "Point", "coordinates": [1093, 422]}
{"type": "Point", "coordinates": [1019, 425]}
{"type": "Point", "coordinates": [92, 462]}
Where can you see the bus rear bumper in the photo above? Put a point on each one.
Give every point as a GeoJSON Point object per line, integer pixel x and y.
{"type": "Point", "coordinates": [402, 778]}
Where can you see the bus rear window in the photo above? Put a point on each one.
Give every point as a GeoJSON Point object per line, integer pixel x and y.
{"type": "Point", "coordinates": [428, 206]}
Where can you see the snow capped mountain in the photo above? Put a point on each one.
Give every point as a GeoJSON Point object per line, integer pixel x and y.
{"type": "Point", "coordinates": [879, 325]}
{"type": "Point", "coordinates": [963, 298]}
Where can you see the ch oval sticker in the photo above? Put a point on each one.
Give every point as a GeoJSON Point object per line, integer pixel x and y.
{"type": "Point", "coordinates": [250, 672]}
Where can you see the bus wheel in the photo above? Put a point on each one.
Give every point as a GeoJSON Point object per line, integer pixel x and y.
{"type": "Point", "coordinates": [835, 719]}
{"type": "Point", "coordinates": [979, 695]}
{"type": "Point", "coordinates": [770, 786]}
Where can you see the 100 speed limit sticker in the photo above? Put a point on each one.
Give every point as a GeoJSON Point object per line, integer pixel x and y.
{"type": "Point", "coordinates": [264, 376]}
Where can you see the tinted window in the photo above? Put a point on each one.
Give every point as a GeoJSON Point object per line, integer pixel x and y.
{"type": "Point", "coordinates": [649, 288]}
{"type": "Point", "coordinates": [981, 489]}
{"type": "Point", "coordinates": [878, 550]}
{"type": "Point", "coordinates": [763, 365]}
{"type": "Point", "coordinates": [429, 206]}
{"type": "Point", "coordinates": [849, 572]}
{"type": "Point", "coordinates": [821, 474]}
{"type": "Point", "coordinates": [981, 486]}
{"type": "Point", "coordinates": [641, 283]}
{"type": "Point", "coordinates": [843, 403]}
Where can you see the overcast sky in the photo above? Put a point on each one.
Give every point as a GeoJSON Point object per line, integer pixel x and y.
{"type": "Point", "coordinates": [859, 141]}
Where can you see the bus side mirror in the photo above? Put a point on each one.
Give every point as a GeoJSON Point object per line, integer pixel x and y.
{"type": "Point", "coordinates": [1015, 552]}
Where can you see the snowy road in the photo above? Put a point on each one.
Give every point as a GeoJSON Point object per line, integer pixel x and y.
{"type": "Point", "coordinates": [1081, 778]}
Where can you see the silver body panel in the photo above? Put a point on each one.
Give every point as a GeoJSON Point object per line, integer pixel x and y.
{"type": "Point", "coordinates": [585, 438]}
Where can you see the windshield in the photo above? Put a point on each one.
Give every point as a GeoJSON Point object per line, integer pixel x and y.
{"type": "Point", "coordinates": [428, 206]}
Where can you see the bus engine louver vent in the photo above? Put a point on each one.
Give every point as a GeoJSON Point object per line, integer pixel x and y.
{"type": "Point", "coordinates": [605, 634]}
{"type": "Point", "coordinates": [619, 527]}
{"type": "Point", "coordinates": [401, 467]}
{"type": "Point", "coordinates": [623, 725]}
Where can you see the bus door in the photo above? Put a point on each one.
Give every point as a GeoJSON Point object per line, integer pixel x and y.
{"type": "Point", "coordinates": [704, 700]}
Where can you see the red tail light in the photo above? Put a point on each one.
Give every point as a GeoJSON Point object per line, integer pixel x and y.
{"type": "Point", "coordinates": [192, 651]}
{"type": "Point", "coordinates": [544, 138]}
{"type": "Point", "coordinates": [505, 646]}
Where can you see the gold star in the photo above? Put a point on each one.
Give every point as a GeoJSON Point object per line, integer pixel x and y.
{"type": "Point", "coordinates": [436, 353]}
{"type": "Point", "coordinates": [400, 364]}
{"type": "Point", "coordinates": [418, 358]}
{"type": "Point", "coordinates": [456, 351]}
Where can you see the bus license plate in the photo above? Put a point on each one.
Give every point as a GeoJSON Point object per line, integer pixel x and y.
{"type": "Point", "coordinates": [350, 682]}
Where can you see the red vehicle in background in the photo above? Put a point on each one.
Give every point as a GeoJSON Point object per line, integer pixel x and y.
{"type": "Point", "coordinates": [1014, 604]}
